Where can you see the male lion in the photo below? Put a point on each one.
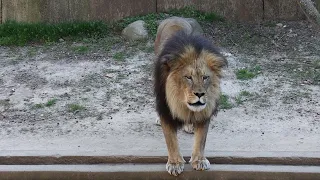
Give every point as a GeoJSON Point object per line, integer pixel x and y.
{"type": "Point", "coordinates": [187, 88]}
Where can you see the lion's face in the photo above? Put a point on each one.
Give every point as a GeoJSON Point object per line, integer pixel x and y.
{"type": "Point", "coordinates": [193, 83]}
{"type": "Point", "coordinates": [195, 80]}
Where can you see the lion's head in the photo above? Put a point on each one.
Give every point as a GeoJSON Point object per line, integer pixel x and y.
{"type": "Point", "coordinates": [190, 69]}
{"type": "Point", "coordinates": [192, 86]}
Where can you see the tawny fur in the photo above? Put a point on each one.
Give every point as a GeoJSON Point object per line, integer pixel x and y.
{"type": "Point", "coordinates": [177, 92]}
{"type": "Point", "coordinates": [169, 27]}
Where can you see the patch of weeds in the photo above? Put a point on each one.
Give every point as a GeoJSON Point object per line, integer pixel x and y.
{"type": "Point", "coordinates": [111, 41]}
{"type": "Point", "coordinates": [295, 96]}
{"type": "Point", "coordinates": [224, 102]}
{"type": "Point", "coordinates": [192, 12]}
{"type": "Point", "coordinates": [119, 56]}
{"type": "Point", "coordinates": [245, 74]}
{"type": "Point", "coordinates": [270, 24]}
{"type": "Point", "coordinates": [18, 33]}
{"type": "Point", "coordinates": [148, 49]}
{"type": "Point", "coordinates": [312, 73]}
{"type": "Point", "coordinates": [31, 52]}
{"type": "Point", "coordinates": [303, 72]}
{"type": "Point", "coordinates": [142, 45]}
{"type": "Point", "coordinates": [51, 102]}
{"type": "Point", "coordinates": [149, 19]}
{"type": "Point", "coordinates": [85, 99]}
{"type": "Point", "coordinates": [80, 49]}
{"type": "Point", "coordinates": [243, 96]}
{"type": "Point", "coordinates": [4, 102]}
{"type": "Point", "coordinates": [74, 108]}
{"type": "Point", "coordinates": [38, 106]}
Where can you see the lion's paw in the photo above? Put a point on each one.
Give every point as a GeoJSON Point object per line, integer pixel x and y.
{"type": "Point", "coordinates": [201, 165]}
{"type": "Point", "coordinates": [175, 168]}
{"type": "Point", "coordinates": [188, 128]}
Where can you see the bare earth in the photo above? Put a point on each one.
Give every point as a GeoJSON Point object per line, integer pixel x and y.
{"type": "Point", "coordinates": [109, 83]}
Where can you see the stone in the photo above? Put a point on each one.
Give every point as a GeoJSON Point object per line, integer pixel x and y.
{"type": "Point", "coordinates": [280, 25]}
{"type": "Point", "coordinates": [135, 31]}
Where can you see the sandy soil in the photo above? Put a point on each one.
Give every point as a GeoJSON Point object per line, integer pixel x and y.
{"type": "Point", "coordinates": [104, 102]}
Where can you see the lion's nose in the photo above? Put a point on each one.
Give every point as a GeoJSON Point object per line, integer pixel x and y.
{"type": "Point", "coordinates": [199, 94]}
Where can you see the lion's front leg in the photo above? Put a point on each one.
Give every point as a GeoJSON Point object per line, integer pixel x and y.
{"type": "Point", "coordinates": [198, 160]}
{"type": "Point", "coordinates": [175, 164]}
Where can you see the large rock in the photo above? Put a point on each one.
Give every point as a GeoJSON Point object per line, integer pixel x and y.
{"type": "Point", "coordinates": [135, 31]}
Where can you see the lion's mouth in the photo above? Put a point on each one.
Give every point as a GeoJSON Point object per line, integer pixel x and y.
{"type": "Point", "coordinates": [196, 107]}
{"type": "Point", "coordinates": [197, 104]}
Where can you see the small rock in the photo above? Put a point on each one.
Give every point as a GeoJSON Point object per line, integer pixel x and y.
{"type": "Point", "coordinates": [110, 75]}
{"type": "Point", "coordinates": [100, 117]}
{"type": "Point", "coordinates": [135, 31]}
{"type": "Point", "coordinates": [279, 25]}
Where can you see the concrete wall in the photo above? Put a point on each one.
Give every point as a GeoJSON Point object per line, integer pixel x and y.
{"type": "Point", "coordinates": [108, 10]}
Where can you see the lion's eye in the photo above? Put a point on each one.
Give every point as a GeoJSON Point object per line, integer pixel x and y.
{"type": "Point", "coordinates": [188, 77]}
{"type": "Point", "coordinates": [205, 78]}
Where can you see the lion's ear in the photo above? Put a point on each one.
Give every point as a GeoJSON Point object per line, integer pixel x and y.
{"type": "Point", "coordinates": [167, 60]}
{"type": "Point", "coordinates": [221, 62]}
{"type": "Point", "coordinates": [216, 63]}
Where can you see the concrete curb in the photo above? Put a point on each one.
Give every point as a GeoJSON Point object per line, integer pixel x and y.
{"type": "Point", "coordinates": [26, 165]}
{"type": "Point", "coordinates": [118, 159]}
{"type": "Point", "coordinates": [156, 171]}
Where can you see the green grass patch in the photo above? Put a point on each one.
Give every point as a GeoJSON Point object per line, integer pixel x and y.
{"type": "Point", "coordinates": [245, 74]}
{"type": "Point", "coordinates": [242, 97]}
{"type": "Point", "coordinates": [38, 106]}
{"type": "Point", "coordinates": [295, 96]}
{"type": "Point", "coordinates": [17, 33]}
{"type": "Point", "coordinates": [51, 102]}
{"type": "Point", "coordinates": [75, 108]}
{"type": "Point", "coordinates": [80, 49]}
{"type": "Point", "coordinates": [119, 56]}
{"type": "Point", "coordinates": [14, 33]}
{"type": "Point", "coordinates": [224, 102]}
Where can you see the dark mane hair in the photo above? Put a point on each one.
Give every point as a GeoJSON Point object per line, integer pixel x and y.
{"type": "Point", "coordinates": [173, 48]}
{"type": "Point", "coordinates": [175, 45]}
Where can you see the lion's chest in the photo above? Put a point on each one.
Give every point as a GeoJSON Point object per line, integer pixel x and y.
{"type": "Point", "coordinates": [185, 115]}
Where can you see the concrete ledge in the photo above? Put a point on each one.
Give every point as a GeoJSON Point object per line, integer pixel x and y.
{"type": "Point", "coordinates": [253, 158]}
{"type": "Point", "coordinates": [156, 171]}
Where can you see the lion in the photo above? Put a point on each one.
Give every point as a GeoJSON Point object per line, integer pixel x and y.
{"type": "Point", "coordinates": [187, 89]}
